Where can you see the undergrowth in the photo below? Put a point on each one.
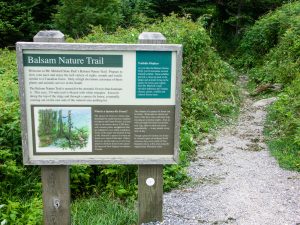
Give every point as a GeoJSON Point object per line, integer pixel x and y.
{"type": "Point", "coordinates": [265, 34]}
{"type": "Point", "coordinates": [103, 210]}
{"type": "Point", "coordinates": [283, 127]}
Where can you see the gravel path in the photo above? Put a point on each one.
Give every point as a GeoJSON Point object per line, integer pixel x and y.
{"type": "Point", "coordinates": [236, 181]}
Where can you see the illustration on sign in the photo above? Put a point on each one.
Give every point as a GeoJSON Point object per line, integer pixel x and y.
{"type": "Point", "coordinates": [63, 129]}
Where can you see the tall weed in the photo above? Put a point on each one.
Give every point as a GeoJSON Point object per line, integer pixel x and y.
{"type": "Point", "coordinates": [283, 127]}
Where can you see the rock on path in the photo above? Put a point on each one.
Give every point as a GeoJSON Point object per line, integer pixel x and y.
{"type": "Point", "coordinates": [236, 181]}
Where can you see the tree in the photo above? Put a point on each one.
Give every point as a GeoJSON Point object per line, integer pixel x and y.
{"type": "Point", "coordinates": [226, 20]}
{"type": "Point", "coordinates": [238, 14]}
{"type": "Point", "coordinates": [69, 126]}
{"type": "Point", "coordinates": [134, 12]}
{"type": "Point", "coordinates": [42, 12]}
{"type": "Point", "coordinates": [16, 22]}
{"type": "Point", "coordinates": [75, 17]}
{"type": "Point", "coordinates": [60, 132]}
{"type": "Point", "coordinates": [194, 8]}
{"type": "Point", "coordinates": [20, 20]}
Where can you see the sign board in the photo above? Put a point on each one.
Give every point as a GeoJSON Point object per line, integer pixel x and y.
{"type": "Point", "coordinates": [99, 103]}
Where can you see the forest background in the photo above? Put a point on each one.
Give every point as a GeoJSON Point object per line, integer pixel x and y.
{"type": "Point", "coordinates": [221, 39]}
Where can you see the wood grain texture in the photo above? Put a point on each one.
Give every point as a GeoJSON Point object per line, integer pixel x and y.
{"type": "Point", "coordinates": [150, 198]}
{"type": "Point", "coordinates": [56, 195]}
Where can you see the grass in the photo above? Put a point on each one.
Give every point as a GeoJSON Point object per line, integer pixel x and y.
{"type": "Point", "coordinates": [103, 211]}
{"type": "Point", "coordinates": [285, 151]}
{"type": "Point", "coordinates": [281, 146]}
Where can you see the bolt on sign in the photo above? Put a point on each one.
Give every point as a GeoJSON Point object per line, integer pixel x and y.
{"type": "Point", "coordinates": [99, 103]}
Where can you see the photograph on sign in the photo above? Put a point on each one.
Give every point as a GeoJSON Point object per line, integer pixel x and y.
{"type": "Point", "coordinates": [97, 106]}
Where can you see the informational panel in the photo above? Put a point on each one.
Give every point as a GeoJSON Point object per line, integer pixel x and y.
{"type": "Point", "coordinates": [99, 104]}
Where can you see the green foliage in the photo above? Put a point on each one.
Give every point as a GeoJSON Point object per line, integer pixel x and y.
{"type": "Point", "coordinates": [19, 186]}
{"type": "Point", "coordinates": [103, 210]}
{"type": "Point", "coordinates": [226, 20]}
{"type": "Point", "coordinates": [21, 20]}
{"type": "Point", "coordinates": [285, 112]}
{"type": "Point", "coordinates": [8, 67]}
{"type": "Point", "coordinates": [16, 22]}
{"type": "Point", "coordinates": [271, 50]}
{"type": "Point", "coordinates": [9, 114]}
{"type": "Point", "coordinates": [134, 12]}
{"type": "Point", "coordinates": [283, 127]}
{"type": "Point", "coordinates": [116, 181]}
{"type": "Point", "coordinates": [20, 213]}
{"type": "Point", "coordinates": [9, 117]}
{"type": "Point", "coordinates": [120, 180]}
{"type": "Point", "coordinates": [76, 17]}
{"type": "Point", "coordinates": [194, 8]}
{"type": "Point", "coordinates": [266, 34]}
{"type": "Point", "coordinates": [281, 64]}
{"type": "Point", "coordinates": [236, 15]}
{"type": "Point", "coordinates": [17, 180]}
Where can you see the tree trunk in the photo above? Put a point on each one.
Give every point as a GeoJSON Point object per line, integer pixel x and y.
{"type": "Point", "coordinates": [60, 124]}
{"type": "Point", "coordinates": [238, 18]}
{"type": "Point", "coordinates": [70, 128]}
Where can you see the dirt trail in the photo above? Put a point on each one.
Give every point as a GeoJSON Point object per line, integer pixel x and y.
{"type": "Point", "coordinates": [236, 181]}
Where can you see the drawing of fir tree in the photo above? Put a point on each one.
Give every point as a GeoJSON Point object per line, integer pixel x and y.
{"type": "Point", "coordinates": [63, 128]}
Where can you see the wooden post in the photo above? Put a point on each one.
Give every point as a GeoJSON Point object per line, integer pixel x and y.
{"type": "Point", "coordinates": [56, 195]}
{"type": "Point", "coordinates": [150, 177]}
{"type": "Point", "coordinates": [150, 193]}
{"type": "Point", "coordinates": [55, 179]}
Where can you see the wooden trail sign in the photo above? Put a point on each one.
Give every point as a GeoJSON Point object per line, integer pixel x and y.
{"type": "Point", "coordinates": [99, 104]}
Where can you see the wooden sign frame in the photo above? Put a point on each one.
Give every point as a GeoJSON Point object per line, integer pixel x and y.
{"type": "Point", "coordinates": [57, 48]}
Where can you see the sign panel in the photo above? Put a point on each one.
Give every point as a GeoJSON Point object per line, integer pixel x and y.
{"type": "Point", "coordinates": [99, 104]}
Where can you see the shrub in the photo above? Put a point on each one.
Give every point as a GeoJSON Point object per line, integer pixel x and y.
{"type": "Point", "coordinates": [20, 186]}
{"type": "Point", "coordinates": [266, 34]}
{"type": "Point", "coordinates": [21, 212]}
{"type": "Point", "coordinates": [283, 127]}
{"type": "Point", "coordinates": [281, 64]}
